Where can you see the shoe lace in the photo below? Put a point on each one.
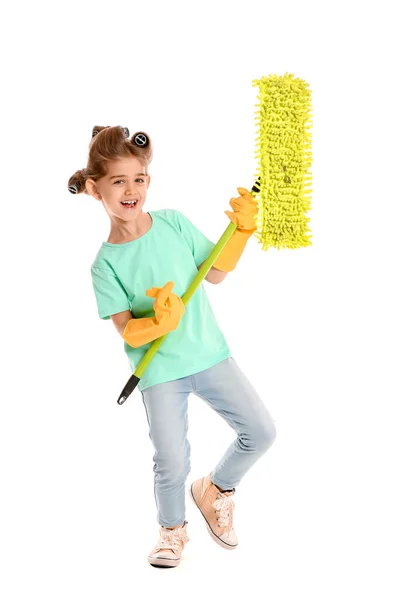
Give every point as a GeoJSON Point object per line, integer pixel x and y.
{"type": "Point", "coordinates": [225, 506]}
{"type": "Point", "coordinates": [170, 539]}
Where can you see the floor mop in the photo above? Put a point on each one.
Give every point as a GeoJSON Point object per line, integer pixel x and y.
{"type": "Point", "coordinates": [282, 186]}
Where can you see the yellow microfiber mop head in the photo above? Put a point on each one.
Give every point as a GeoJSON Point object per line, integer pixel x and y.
{"type": "Point", "coordinates": [284, 155]}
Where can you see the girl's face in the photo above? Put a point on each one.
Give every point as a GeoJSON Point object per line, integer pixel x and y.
{"type": "Point", "coordinates": [124, 189]}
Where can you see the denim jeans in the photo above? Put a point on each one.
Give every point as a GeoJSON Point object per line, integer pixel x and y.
{"type": "Point", "coordinates": [226, 389]}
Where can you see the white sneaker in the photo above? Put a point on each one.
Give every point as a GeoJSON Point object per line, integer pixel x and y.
{"type": "Point", "coordinates": [217, 509]}
{"type": "Point", "coordinates": [167, 552]}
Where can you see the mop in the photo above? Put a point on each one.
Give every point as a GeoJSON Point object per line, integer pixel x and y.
{"type": "Point", "coordinates": [282, 186]}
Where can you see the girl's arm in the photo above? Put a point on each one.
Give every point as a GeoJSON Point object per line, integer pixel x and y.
{"type": "Point", "coordinates": [215, 275]}
{"type": "Point", "coordinates": [121, 319]}
{"type": "Point", "coordinates": [169, 310]}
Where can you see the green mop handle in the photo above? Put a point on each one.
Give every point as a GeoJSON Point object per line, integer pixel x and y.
{"type": "Point", "coordinates": [203, 271]}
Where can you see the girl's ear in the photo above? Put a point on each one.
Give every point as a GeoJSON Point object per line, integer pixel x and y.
{"type": "Point", "coordinates": [91, 188]}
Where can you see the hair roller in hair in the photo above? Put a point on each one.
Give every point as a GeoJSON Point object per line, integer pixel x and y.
{"type": "Point", "coordinates": [74, 187]}
{"type": "Point", "coordinates": [97, 129]}
{"type": "Point", "coordinates": [140, 139]}
{"type": "Point", "coordinates": [126, 131]}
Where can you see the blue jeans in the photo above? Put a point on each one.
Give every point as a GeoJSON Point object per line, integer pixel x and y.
{"type": "Point", "coordinates": [226, 389]}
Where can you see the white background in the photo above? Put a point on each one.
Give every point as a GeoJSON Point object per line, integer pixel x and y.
{"type": "Point", "coordinates": [327, 334]}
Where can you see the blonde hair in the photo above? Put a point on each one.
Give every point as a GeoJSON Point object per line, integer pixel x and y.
{"type": "Point", "coordinates": [110, 143]}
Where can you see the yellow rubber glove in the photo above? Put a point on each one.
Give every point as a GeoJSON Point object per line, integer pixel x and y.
{"type": "Point", "coordinates": [244, 216]}
{"type": "Point", "coordinates": [168, 308]}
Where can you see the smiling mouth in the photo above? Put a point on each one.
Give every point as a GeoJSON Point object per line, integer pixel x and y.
{"type": "Point", "coordinates": [129, 203]}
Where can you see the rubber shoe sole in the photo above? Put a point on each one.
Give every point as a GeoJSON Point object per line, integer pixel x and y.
{"type": "Point", "coordinates": [165, 563]}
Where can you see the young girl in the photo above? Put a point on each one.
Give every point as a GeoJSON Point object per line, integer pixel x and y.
{"type": "Point", "coordinates": [139, 276]}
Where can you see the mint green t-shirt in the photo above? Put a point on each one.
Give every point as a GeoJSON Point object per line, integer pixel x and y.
{"type": "Point", "coordinates": [171, 250]}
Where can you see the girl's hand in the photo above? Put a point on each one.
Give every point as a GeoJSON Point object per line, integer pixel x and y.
{"type": "Point", "coordinates": [168, 307]}
{"type": "Point", "coordinates": [245, 211]}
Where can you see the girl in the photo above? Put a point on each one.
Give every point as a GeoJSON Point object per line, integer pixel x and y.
{"type": "Point", "coordinates": [147, 257]}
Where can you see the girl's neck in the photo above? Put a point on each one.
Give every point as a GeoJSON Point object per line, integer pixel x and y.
{"type": "Point", "coordinates": [120, 233]}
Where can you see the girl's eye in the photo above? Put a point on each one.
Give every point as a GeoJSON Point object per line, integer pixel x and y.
{"type": "Point", "coordinates": [138, 179]}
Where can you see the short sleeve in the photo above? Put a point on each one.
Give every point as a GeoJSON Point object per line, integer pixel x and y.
{"type": "Point", "coordinates": [198, 243]}
{"type": "Point", "coordinates": [110, 296]}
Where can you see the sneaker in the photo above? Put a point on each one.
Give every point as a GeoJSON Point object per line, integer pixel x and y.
{"type": "Point", "coordinates": [217, 508]}
{"type": "Point", "coordinates": [167, 552]}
